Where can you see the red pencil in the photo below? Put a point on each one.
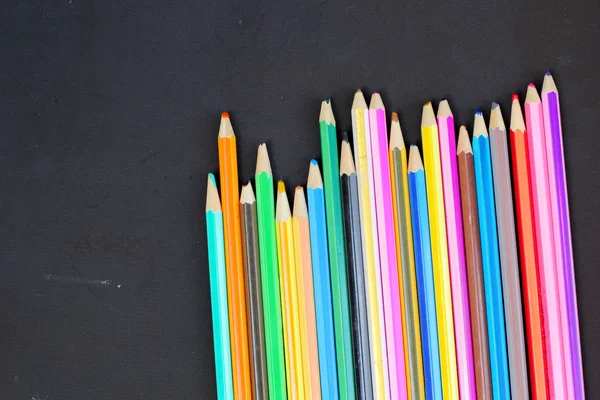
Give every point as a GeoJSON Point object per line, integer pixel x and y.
{"type": "Point", "coordinates": [528, 255]}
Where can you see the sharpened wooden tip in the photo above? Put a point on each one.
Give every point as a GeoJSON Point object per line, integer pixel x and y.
{"type": "Point", "coordinates": [247, 195]}
{"type": "Point", "coordinates": [213, 203]}
{"type": "Point", "coordinates": [282, 209]}
{"type": "Point", "coordinates": [532, 95]}
{"type": "Point", "coordinates": [263, 164]}
{"type": "Point", "coordinates": [479, 125]}
{"type": "Point", "coordinates": [415, 163]}
{"type": "Point", "coordinates": [496, 120]}
{"type": "Point", "coordinates": [428, 117]}
{"type": "Point", "coordinates": [549, 86]}
{"type": "Point", "coordinates": [359, 100]}
{"type": "Point", "coordinates": [517, 123]}
{"type": "Point", "coordinates": [326, 114]}
{"type": "Point", "coordinates": [376, 102]}
{"type": "Point", "coordinates": [396, 138]}
{"type": "Point", "coordinates": [464, 144]}
{"type": "Point", "coordinates": [315, 180]}
{"type": "Point", "coordinates": [346, 160]}
{"type": "Point", "coordinates": [444, 109]}
{"type": "Point", "coordinates": [300, 209]}
{"type": "Point", "coordinates": [225, 128]}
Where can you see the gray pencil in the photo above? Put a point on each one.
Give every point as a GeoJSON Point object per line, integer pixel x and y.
{"type": "Point", "coordinates": [509, 261]}
{"type": "Point", "coordinates": [356, 274]}
{"type": "Point", "coordinates": [258, 364]}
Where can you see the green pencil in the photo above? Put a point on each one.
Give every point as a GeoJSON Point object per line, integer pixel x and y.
{"type": "Point", "coordinates": [269, 271]}
{"type": "Point", "coordinates": [337, 256]}
{"type": "Point", "coordinates": [218, 291]}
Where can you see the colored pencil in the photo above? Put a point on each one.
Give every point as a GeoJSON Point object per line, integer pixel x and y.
{"type": "Point", "coordinates": [370, 241]}
{"type": "Point", "coordinates": [387, 248]}
{"type": "Point", "coordinates": [468, 194]}
{"type": "Point", "coordinates": [269, 274]}
{"type": "Point", "coordinates": [306, 298]}
{"type": "Point", "coordinates": [356, 274]}
{"type": "Point", "coordinates": [538, 174]}
{"type": "Point", "coordinates": [560, 202]}
{"type": "Point", "coordinates": [424, 275]}
{"type": "Point", "coordinates": [527, 250]}
{"type": "Point", "coordinates": [218, 291]}
{"type": "Point", "coordinates": [251, 259]}
{"type": "Point", "coordinates": [439, 252]}
{"type": "Point", "coordinates": [337, 259]}
{"type": "Point", "coordinates": [509, 261]}
{"type": "Point", "coordinates": [236, 288]}
{"type": "Point", "coordinates": [490, 259]}
{"type": "Point", "coordinates": [406, 263]}
{"type": "Point", "coordinates": [456, 252]}
{"type": "Point", "coordinates": [322, 283]}
{"type": "Point", "coordinates": [289, 294]}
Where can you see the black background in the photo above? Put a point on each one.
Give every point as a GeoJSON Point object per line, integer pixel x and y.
{"type": "Point", "coordinates": [110, 112]}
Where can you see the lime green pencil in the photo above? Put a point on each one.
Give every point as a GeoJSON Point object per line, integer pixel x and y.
{"type": "Point", "coordinates": [218, 291]}
{"type": "Point", "coordinates": [337, 255]}
{"type": "Point", "coordinates": [269, 273]}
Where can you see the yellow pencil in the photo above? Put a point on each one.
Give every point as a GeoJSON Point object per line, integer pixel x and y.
{"type": "Point", "coordinates": [439, 252]}
{"type": "Point", "coordinates": [362, 149]}
{"type": "Point", "coordinates": [289, 295]}
{"type": "Point", "coordinates": [306, 299]}
{"type": "Point", "coordinates": [406, 263]}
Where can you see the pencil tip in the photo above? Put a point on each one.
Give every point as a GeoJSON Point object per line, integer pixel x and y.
{"type": "Point", "coordinates": [396, 138]}
{"type": "Point", "coordinates": [428, 117]}
{"type": "Point", "coordinates": [326, 113]}
{"type": "Point", "coordinates": [444, 109]}
{"type": "Point", "coordinates": [300, 209]}
{"type": "Point", "coordinates": [549, 85]}
{"type": "Point", "coordinates": [280, 186]}
{"type": "Point", "coordinates": [263, 164]}
{"type": "Point", "coordinates": [213, 203]}
{"type": "Point", "coordinates": [282, 206]}
{"type": "Point", "coordinates": [464, 144]}
{"type": "Point", "coordinates": [415, 163]}
{"type": "Point", "coordinates": [532, 95]}
{"type": "Point", "coordinates": [225, 128]}
{"type": "Point", "coordinates": [376, 102]}
{"type": "Point", "coordinates": [247, 195]}
{"type": "Point", "coordinates": [346, 160]}
{"type": "Point", "coordinates": [479, 125]}
{"type": "Point", "coordinates": [315, 180]}
{"type": "Point", "coordinates": [496, 120]}
{"type": "Point", "coordinates": [517, 123]}
{"type": "Point", "coordinates": [515, 97]}
{"type": "Point", "coordinates": [359, 100]}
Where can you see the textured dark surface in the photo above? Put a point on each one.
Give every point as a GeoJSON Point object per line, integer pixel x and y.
{"type": "Point", "coordinates": [109, 115]}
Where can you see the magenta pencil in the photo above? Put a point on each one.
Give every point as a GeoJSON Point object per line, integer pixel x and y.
{"type": "Point", "coordinates": [544, 236]}
{"type": "Point", "coordinates": [387, 249]}
{"type": "Point", "coordinates": [456, 252]}
{"type": "Point", "coordinates": [562, 236]}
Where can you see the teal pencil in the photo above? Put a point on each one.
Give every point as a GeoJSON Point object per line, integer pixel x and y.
{"type": "Point", "coordinates": [218, 290]}
{"type": "Point", "coordinates": [492, 279]}
{"type": "Point", "coordinates": [337, 252]}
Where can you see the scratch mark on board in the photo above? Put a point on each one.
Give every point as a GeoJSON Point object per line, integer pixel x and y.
{"type": "Point", "coordinates": [76, 279]}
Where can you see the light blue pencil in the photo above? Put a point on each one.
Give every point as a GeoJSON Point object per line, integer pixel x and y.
{"type": "Point", "coordinates": [491, 260]}
{"type": "Point", "coordinates": [218, 291]}
{"type": "Point", "coordinates": [424, 273]}
{"type": "Point", "coordinates": [322, 282]}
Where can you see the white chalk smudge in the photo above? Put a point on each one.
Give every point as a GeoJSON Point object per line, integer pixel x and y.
{"type": "Point", "coordinates": [76, 279]}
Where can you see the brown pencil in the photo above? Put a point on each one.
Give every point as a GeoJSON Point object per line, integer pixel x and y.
{"type": "Point", "coordinates": [258, 360]}
{"type": "Point", "coordinates": [470, 215]}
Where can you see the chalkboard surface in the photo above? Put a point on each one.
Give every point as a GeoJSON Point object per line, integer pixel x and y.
{"type": "Point", "coordinates": [109, 114]}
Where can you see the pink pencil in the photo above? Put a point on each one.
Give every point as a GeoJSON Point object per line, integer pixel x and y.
{"type": "Point", "coordinates": [544, 236]}
{"type": "Point", "coordinates": [560, 209]}
{"type": "Point", "coordinates": [456, 252]}
{"type": "Point", "coordinates": [387, 249]}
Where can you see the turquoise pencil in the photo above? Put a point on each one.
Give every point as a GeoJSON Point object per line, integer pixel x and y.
{"type": "Point", "coordinates": [491, 260]}
{"type": "Point", "coordinates": [218, 290]}
{"type": "Point", "coordinates": [321, 282]}
{"type": "Point", "coordinates": [424, 273]}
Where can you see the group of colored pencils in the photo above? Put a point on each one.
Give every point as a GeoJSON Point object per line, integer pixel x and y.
{"type": "Point", "coordinates": [397, 276]}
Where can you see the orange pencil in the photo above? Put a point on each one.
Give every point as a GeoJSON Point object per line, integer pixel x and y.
{"type": "Point", "coordinates": [236, 289]}
{"type": "Point", "coordinates": [306, 298]}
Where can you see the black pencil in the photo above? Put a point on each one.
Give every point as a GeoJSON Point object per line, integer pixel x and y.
{"type": "Point", "coordinates": [258, 364]}
{"type": "Point", "coordinates": [356, 277]}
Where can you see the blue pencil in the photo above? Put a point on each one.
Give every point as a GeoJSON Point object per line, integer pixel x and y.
{"type": "Point", "coordinates": [322, 282]}
{"type": "Point", "coordinates": [491, 260]}
{"type": "Point", "coordinates": [218, 291]}
{"type": "Point", "coordinates": [424, 272]}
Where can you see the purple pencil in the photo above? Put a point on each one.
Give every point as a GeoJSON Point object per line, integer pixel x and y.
{"type": "Point", "coordinates": [387, 249]}
{"type": "Point", "coordinates": [562, 233]}
{"type": "Point", "coordinates": [456, 252]}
